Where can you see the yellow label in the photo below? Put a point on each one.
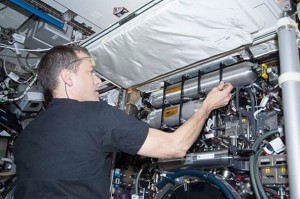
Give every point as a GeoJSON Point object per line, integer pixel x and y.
{"type": "Point", "coordinates": [283, 169]}
{"type": "Point", "coordinates": [268, 170]}
{"type": "Point", "coordinates": [170, 111]}
{"type": "Point", "coordinates": [264, 73]}
{"type": "Point", "coordinates": [173, 90]}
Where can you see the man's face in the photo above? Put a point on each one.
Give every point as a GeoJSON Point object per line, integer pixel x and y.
{"type": "Point", "coordinates": [86, 82]}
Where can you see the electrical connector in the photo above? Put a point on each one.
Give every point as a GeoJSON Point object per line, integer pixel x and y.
{"type": "Point", "coordinates": [13, 76]}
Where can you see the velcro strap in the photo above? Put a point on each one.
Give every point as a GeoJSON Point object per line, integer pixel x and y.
{"type": "Point", "coordinates": [289, 76]}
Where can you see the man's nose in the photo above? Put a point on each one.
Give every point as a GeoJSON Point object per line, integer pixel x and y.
{"type": "Point", "coordinates": [97, 80]}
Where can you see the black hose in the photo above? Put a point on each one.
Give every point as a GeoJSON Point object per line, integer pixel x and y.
{"type": "Point", "coordinates": [252, 119]}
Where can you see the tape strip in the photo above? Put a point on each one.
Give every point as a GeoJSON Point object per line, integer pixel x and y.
{"type": "Point", "coordinates": [289, 76]}
{"type": "Point", "coordinates": [286, 21]}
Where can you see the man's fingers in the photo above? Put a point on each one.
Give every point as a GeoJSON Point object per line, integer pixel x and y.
{"type": "Point", "coordinates": [228, 87]}
{"type": "Point", "coordinates": [221, 86]}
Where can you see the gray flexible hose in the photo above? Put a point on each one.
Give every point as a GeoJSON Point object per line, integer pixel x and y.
{"type": "Point", "coordinates": [258, 189]}
{"type": "Point", "coordinates": [256, 175]}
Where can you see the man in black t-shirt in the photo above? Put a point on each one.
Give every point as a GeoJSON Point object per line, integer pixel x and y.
{"type": "Point", "coordinates": [63, 153]}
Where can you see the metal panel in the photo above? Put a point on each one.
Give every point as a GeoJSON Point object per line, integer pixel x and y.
{"type": "Point", "coordinates": [100, 13]}
{"type": "Point", "coordinates": [11, 18]}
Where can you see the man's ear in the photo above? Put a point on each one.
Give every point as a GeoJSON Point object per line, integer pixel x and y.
{"type": "Point", "coordinates": [66, 76]}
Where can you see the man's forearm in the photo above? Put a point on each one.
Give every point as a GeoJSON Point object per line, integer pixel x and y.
{"type": "Point", "coordinates": [187, 133]}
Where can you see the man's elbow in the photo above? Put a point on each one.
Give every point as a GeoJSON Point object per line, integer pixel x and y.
{"type": "Point", "coordinates": [178, 152]}
{"type": "Point", "coordinates": [177, 149]}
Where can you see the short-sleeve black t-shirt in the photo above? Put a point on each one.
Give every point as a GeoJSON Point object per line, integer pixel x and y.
{"type": "Point", "coordinates": [64, 152]}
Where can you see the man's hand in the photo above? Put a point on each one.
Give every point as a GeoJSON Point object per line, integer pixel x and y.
{"type": "Point", "coordinates": [218, 96]}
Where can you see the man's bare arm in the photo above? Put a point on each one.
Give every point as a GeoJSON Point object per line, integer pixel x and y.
{"type": "Point", "coordinates": [167, 145]}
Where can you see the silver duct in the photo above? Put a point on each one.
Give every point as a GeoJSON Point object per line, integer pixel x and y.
{"type": "Point", "coordinates": [207, 159]}
{"type": "Point", "coordinates": [239, 74]}
{"type": "Point", "coordinates": [171, 114]}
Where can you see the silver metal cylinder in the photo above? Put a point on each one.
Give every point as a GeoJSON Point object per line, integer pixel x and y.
{"type": "Point", "coordinates": [289, 62]}
{"type": "Point", "coordinates": [239, 74]}
{"type": "Point", "coordinates": [171, 114]}
{"type": "Point", "coordinates": [206, 159]}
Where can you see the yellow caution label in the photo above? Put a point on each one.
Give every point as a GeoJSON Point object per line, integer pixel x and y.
{"type": "Point", "coordinates": [268, 170]}
{"type": "Point", "coordinates": [173, 90]}
{"type": "Point", "coordinates": [283, 169]}
{"type": "Point", "coordinates": [264, 73]}
{"type": "Point", "coordinates": [170, 111]}
{"type": "Point", "coordinates": [244, 120]}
